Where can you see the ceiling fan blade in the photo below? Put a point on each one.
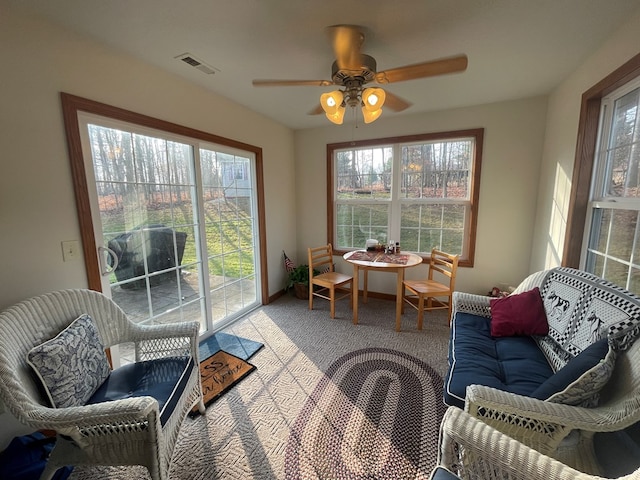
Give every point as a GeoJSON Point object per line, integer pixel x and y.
{"type": "Point", "coordinates": [292, 83]}
{"type": "Point", "coordinates": [347, 41]}
{"type": "Point", "coordinates": [395, 103]}
{"type": "Point", "coordinates": [425, 69]}
{"type": "Point", "coordinates": [316, 111]}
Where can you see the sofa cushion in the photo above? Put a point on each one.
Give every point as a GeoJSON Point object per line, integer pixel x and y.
{"type": "Point", "coordinates": [512, 364]}
{"type": "Point", "coordinates": [519, 314]}
{"type": "Point", "coordinates": [163, 379]}
{"type": "Point", "coordinates": [573, 370]}
{"type": "Point", "coordinates": [72, 365]}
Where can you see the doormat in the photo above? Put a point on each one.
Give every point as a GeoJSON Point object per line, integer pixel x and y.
{"type": "Point", "coordinates": [240, 347]}
{"type": "Point", "coordinates": [220, 372]}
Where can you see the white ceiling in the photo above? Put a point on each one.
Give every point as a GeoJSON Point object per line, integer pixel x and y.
{"type": "Point", "coordinates": [516, 48]}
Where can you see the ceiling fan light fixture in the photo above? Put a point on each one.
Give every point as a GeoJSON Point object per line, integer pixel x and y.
{"type": "Point", "coordinates": [373, 99]}
{"type": "Point", "coordinates": [337, 117]}
{"type": "Point", "coordinates": [331, 101]}
{"type": "Point", "coordinates": [370, 116]}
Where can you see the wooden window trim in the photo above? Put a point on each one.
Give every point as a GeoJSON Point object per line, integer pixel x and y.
{"type": "Point", "coordinates": [585, 154]}
{"type": "Point", "coordinates": [71, 105]}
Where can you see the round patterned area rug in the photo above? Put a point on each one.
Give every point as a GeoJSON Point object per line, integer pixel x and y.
{"type": "Point", "coordinates": [374, 415]}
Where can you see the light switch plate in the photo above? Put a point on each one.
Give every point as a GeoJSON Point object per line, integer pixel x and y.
{"type": "Point", "coordinates": [70, 250]}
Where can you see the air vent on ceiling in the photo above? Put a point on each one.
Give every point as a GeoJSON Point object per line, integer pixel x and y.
{"type": "Point", "coordinates": [197, 63]}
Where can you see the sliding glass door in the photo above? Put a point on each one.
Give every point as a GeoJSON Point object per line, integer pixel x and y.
{"type": "Point", "coordinates": [231, 230]}
{"type": "Point", "coordinates": [175, 223]}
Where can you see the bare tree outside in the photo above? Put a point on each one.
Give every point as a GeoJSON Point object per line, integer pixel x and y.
{"type": "Point", "coordinates": [432, 176]}
{"type": "Point", "coordinates": [146, 188]}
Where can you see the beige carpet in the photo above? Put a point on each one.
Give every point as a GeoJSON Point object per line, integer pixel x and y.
{"type": "Point", "coordinates": [244, 434]}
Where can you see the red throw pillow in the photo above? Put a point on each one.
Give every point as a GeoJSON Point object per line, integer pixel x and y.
{"type": "Point", "coordinates": [519, 315]}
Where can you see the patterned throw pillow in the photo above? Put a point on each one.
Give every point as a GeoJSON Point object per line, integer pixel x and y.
{"type": "Point", "coordinates": [585, 391]}
{"type": "Point", "coordinates": [589, 358]}
{"type": "Point", "coordinates": [72, 365]}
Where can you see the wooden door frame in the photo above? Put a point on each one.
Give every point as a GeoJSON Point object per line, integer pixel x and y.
{"type": "Point", "coordinates": [71, 105]}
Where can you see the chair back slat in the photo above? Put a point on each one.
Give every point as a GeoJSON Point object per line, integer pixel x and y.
{"type": "Point", "coordinates": [321, 259]}
{"type": "Point", "coordinates": [327, 280]}
{"type": "Point", "coordinates": [445, 264]}
{"type": "Point", "coordinates": [427, 295]}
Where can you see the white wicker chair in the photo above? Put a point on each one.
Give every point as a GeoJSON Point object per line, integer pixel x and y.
{"type": "Point", "coordinates": [121, 432]}
{"type": "Point", "coordinates": [474, 450]}
{"type": "Point", "coordinates": [563, 432]}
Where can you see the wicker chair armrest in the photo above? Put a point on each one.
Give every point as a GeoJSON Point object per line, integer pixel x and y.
{"type": "Point", "coordinates": [470, 303]}
{"type": "Point", "coordinates": [539, 424]}
{"type": "Point", "coordinates": [474, 449]}
{"type": "Point", "coordinates": [598, 419]}
{"type": "Point", "coordinates": [156, 341]}
{"type": "Point", "coordinates": [72, 419]}
{"type": "Point", "coordinates": [169, 330]}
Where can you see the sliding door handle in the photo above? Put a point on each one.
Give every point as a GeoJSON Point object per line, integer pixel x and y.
{"type": "Point", "coordinates": [107, 267]}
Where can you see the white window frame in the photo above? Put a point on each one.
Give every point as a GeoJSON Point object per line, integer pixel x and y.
{"type": "Point", "coordinates": [395, 201]}
{"type": "Point", "coordinates": [599, 199]}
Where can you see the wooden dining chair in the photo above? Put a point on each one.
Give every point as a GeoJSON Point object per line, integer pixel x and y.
{"type": "Point", "coordinates": [328, 280]}
{"type": "Point", "coordinates": [439, 283]}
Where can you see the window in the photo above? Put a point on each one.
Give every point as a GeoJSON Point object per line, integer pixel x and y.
{"type": "Point", "coordinates": [585, 155]}
{"type": "Point", "coordinates": [613, 232]}
{"type": "Point", "coordinates": [420, 190]}
{"type": "Point", "coordinates": [181, 210]}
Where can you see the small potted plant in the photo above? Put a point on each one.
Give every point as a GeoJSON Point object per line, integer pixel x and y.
{"type": "Point", "coordinates": [299, 279]}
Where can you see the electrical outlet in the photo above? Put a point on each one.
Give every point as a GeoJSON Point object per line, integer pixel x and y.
{"type": "Point", "coordinates": [70, 250]}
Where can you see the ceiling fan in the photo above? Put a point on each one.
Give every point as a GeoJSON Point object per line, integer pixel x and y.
{"type": "Point", "coordinates": [353, 70]}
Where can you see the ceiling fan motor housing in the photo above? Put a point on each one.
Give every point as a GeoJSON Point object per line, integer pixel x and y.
{"type": "Point", "coordinates": [365, 73]}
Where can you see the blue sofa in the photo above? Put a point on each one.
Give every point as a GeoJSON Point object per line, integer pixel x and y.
{"type": "Point", "coordinates": [580, 310]}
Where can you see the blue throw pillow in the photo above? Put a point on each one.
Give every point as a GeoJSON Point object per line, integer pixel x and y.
{"type": "Point", "coordinates": [590, 363]}
{"type": "Point", "coordinates": [72, 365]}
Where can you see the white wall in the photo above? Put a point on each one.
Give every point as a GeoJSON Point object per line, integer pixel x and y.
{"type": "Point", "coordinates": [560, 142]}
{"type": "Point", "coordinates": [513, 139]}
{"type": "Point", "coordinates": [37, 206]}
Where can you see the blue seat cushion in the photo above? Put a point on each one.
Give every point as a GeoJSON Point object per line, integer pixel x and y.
{"type": "Point", "coordinates": [512, 364]}
{"type": "Point", "coordinates": [163, 379]}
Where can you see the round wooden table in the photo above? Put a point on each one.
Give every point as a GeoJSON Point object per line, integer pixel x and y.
{"type": "Point", "coordinates": [383, 262]}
